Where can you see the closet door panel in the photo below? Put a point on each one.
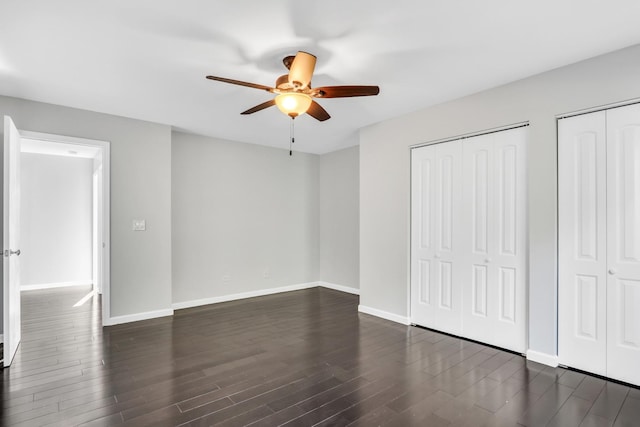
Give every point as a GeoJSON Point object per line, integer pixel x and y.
{"type": "Point", "coordinates": [478, 278]}
{"type": "Point", "coordinates": [435, 210]}
{"type": "Point", "coordinates": [623, 243]}
{"type": "Point", "coordinates": [423, 199]}
{"type": "Point", "coordinates": [447, 236]}
{"type": "Point", "coordinates": [494, 281]}
{"type": "Point", "coordinates": [581, 246]}
{"type": "Point", "coordinates": [508, 258]}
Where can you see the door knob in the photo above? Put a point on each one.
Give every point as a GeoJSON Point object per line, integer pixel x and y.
{"type": "Point", "coordinates": [436, 256]}
{"type": "Point", "coordinates": [487, 260]}
{"type": "Point", "coordinates": [14, 252]}
{"type": "Point", "coordinates": [612, 271]}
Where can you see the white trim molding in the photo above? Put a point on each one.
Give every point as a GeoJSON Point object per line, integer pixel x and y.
{"type": "Point", "coordinates": [544, 358]}
{"type": "Point", "coordinates": [341, 288]}
{"type": "Point", "coordinates": [117, 320]}
{"type": "Point", "coordinates": [384, 314]}
{"type": "Point", "coordinates": [233, 297]}
{"type": "Point", "coordinates": [38, 286]}
{"type": "Point", "coordinates": [243, 295]}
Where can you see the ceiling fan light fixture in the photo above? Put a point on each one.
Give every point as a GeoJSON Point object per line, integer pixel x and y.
{"type": "Point", "coordinates": [293, 104]}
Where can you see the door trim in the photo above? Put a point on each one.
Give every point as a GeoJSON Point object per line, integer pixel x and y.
{"type": "Point", "coordinates": [470, 135]}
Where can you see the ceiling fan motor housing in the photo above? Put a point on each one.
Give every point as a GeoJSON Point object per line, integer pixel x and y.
{"type": "Point", "coordinates": [282, 82]}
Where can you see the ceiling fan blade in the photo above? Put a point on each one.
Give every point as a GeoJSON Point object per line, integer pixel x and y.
{"type": "Point", "coordinates": [301, 70]}
{"type": "Point", "coordinates": [267, 104]}
{"type": "Point", "coordinates": [287, 61]}
{"type": "Point", "coordinates": [344, 91]}
{"type": "Point", "coordinates": [317, 112]}
{"type": "Point", "coordinates": [241, 83]}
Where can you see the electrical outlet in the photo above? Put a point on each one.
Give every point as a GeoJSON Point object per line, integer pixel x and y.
{"type": "Point", "coordinates": [226, 278]}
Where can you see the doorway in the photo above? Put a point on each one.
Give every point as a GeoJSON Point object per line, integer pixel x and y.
{"type": "Point", "coordinates": [95, 155]}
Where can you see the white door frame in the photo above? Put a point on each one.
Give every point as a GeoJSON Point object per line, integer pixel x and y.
{"type": "Point", "coordinates": [104, 147]}
{"type": "Point", "coordinates": [97, 225]}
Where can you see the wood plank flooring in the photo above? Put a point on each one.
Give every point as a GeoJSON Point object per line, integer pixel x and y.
{"type": "Point", "coordinates": [298, 359]}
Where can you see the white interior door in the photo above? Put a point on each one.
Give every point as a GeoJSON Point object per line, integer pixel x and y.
{"type": "Point", "coordinates": [581, 247]}
{"type": "Point", "coordinates": [423, 171]}
{"type": "Point", "coordinates": [623, 243]}
{"type": "Point", "coordinates": [11, 241]}
{"type": "Point", "coordinates": [479, 196]}
{"type": "Point", "coordinates": [494, 203]}
{"type": "Point", "coordinates": [436, 195]}
{"type": "Point", "coordinates": [599, 243]}
{"type": "Point", "coordinates": [508, 262]}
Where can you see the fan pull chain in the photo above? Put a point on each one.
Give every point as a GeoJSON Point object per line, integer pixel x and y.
{"type": "Point", "coordinates": [292, 137]}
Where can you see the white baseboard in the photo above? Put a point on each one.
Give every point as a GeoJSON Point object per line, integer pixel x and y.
{"type": "Point", "coordinates": [38, 286]}
{"type": "Point", "coordinates": [224, 298]}
{"type": "Point", "coordinates": [117, 320]}
{"type": "Point", "coordinates": [242, 295]}
{"type": "Point", "coordinates": [341, 288]}
{"type": "Point", "coordinates": [544, 358]}
{"type": "Point", "coordinates": [384, 315]}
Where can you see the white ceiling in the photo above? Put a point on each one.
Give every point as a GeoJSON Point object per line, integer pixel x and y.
{"type": "Point", "coordinates": [148, 59]}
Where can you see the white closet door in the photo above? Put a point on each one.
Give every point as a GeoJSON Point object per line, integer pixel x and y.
{"type": "Point", "coordinates": [479, 195]}
{"type": "Point", "coordinates": [581, 245]}
{"type": "Point", "coordinates": [494, 285]}
{"type": "Point", "coordinates": [509, 260]}
{"type": "Point", "coordinates": [423, 172]}
{"type": "Point", "coordinates": [435, 257]}
{"type": "Point", "coordinates": [623, 243]}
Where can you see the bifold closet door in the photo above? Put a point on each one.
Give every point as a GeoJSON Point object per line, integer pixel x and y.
{"type": "Point", "coordinates": [494, 205]}
{"type": "Point", "coordinates": [599, 243]}
{"type": "Point", "coordinates": [582, 289]}
{"type": "Point", "coordinates": [435, 247]}
{"type": "Point", "coordinates": [623, 243]}
{"type": "Point", "coordinates": [468, 238]}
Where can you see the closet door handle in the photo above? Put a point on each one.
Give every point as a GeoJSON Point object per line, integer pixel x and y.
{"type": "Point", "coordinates": [487, 260]}
{"type": "Point", "coordinates": [612, 271]}
{"type": "Point", "coordinates": [436, 256]}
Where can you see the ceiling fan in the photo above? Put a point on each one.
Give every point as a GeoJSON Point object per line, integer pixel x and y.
{"type": "Point", "coordinates": [294, 94]}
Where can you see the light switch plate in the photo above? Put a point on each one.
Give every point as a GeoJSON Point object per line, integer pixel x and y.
{"type": "Point", "coordinates": [139, 225]}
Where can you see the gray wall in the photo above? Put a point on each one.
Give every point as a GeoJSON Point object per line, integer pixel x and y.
{"type": "Point", "coordinates": [240, 211]}
{"type": "Point", "coordinates": [385, 175]}
{"type": "Point", "coordinates": [140, 189]}
{"type": "Point", "coordinates": [339, 218]}
{"type": "Point", "coordinates": [55, 219]}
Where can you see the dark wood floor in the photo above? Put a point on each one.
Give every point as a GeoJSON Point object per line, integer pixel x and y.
{"type": "Point", "coordinates": [300, 358]}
